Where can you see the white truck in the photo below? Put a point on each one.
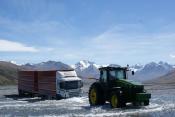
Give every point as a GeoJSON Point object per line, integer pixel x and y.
{"type": "Point", "coordinates": [68, 84]}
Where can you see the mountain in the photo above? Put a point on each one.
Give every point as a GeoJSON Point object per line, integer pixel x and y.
{"type": "Point", "coordinates": [49, 65]}
{"type": "Point", "coordinates": [8, 70]}
{"type": "Point", "coordinates": [151, 70]}
{"type": "Point", "coordinates": [136, 67]}
{"type": "Point", "coordinates": [168, 78]}
{"type": "Point", "coordinates": [87, 69]}
{"type": "Point", "coordinates": [8, 73]}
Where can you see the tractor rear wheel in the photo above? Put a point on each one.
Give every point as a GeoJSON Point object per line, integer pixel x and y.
{"type": "Point", "coordinates": [146, 103]}
{"type": "Point", "coordinates": [96, 96]}
{"type": "Point", "coordinates": [114, 100]}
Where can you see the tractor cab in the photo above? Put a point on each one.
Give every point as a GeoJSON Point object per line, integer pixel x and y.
{"type": "Point", "coordinates": [108, 74]}
{"type": "Point", "coordinates": [113, 86]}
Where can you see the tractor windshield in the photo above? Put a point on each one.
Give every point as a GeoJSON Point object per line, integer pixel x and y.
{"type": "Point", "coordinates": [117, 74]}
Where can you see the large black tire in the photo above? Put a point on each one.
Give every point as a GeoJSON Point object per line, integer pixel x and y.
{"type": "Point", "coordinates": [122, 101]}
{"type": "Point", "coordinates": [21, 93]}
{"type": "Point", "coordinates": [58, 97]}
{"type": "Point", "coordinates": [96, 95]}
{"type": "Point", "coordinates": [146, 103]}
{"type": "Point", "coordinates": [115, 100]}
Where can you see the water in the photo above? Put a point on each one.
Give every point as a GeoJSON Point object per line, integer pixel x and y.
{"type": "Point", "coordinates": [162, 104]}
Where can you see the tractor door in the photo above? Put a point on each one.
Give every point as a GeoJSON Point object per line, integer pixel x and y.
{"type": "Point", "coordinates": [103, 76]}
{"type": "Point", "coordinates": [104, 81]}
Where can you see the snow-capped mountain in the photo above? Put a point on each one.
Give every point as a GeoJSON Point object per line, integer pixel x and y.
{"type": "Point", "coordinates": [136, 67]}
{"type": "Point", "coordinates": [173, 66]}
{"type": "Point", "coordinates": [150, 70]}
{"type": "Point", "coordinates": [87, 69]}
{"type": "Point", "coordinates": [83, 64]}
{"type": "Point", "coordinates": [49, 65]}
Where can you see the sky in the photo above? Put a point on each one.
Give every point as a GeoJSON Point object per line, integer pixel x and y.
{"type": "Point", "coordinates": [103, 31]}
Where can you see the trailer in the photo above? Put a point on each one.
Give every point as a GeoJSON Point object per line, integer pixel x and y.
{"type": "Point", "coordinates": [50, 84]}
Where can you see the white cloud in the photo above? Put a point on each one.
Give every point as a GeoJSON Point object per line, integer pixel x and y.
{"type": "Point", "coordinates": [172, 55]}
{"type": "Point", "coordinates": [115, 46]}
{"type": "Point", "coordinates": [12, 46]}
{"type": "Point", "coordinates": [46, 49]}
{"type": "Point", "coordinates": [114, 39]}
{"type": "Point", "coordinates": [130, 46]}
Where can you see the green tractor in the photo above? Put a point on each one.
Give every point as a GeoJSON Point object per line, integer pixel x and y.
{"type": "Point", "coordinates": [114, 87]}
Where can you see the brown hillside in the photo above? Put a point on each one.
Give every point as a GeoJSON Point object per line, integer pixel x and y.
{"type": "Point", "coordinates": [8, 73]}
{"type": "Point", "coordinates": [165, 79]}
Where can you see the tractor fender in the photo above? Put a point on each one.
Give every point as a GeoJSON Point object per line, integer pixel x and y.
{"type": "Point", "coordinates": [95, 84]}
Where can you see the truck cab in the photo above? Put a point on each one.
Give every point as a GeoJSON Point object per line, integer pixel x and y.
{"type": "Point", "coordinates": [68, 84]}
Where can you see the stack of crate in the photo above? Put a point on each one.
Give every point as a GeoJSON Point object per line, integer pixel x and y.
{"type": "Point", "coordinates": [27, 81]}
{"type": "Point", "coordinates": [47, 83]}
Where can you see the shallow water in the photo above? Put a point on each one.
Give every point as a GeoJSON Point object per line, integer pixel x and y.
{"type": "Point", "coordinates": [162, 104]}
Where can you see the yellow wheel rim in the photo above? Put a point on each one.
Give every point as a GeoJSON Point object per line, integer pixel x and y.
{"type": "Point", "coordinates": [114, 101]}
{"type": "Point", "coordinates": [93, 96]}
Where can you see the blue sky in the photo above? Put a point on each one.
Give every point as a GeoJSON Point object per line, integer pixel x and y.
{"type": "Point", "coordinates": [103, 31]}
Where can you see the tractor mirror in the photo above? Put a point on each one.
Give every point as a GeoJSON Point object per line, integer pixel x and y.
{"type": "Point", "coordinates": [132, 72]}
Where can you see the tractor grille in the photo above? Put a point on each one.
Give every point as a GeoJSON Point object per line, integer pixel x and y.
{"type": "Point", "coordinates": [138, 89]}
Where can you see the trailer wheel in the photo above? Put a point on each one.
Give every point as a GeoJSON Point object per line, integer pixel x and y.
{"type": "Point", "coordinates": [58, 97]}
{"type": "Point", "coordinates": [96, 96]}
{"type": "Point", "coordinates": [114, 100]}
{"type": "Point", "coordinates": [21, 93]}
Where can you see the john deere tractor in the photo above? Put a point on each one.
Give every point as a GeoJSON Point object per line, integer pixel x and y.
{"type": "Point", "coordinates": [114, 87]}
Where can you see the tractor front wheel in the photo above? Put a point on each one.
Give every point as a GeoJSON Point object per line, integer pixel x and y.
{"type": "Point", "coordinates": [114, 100]}
{"type": "Point", "coordinates": [96, 96]}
